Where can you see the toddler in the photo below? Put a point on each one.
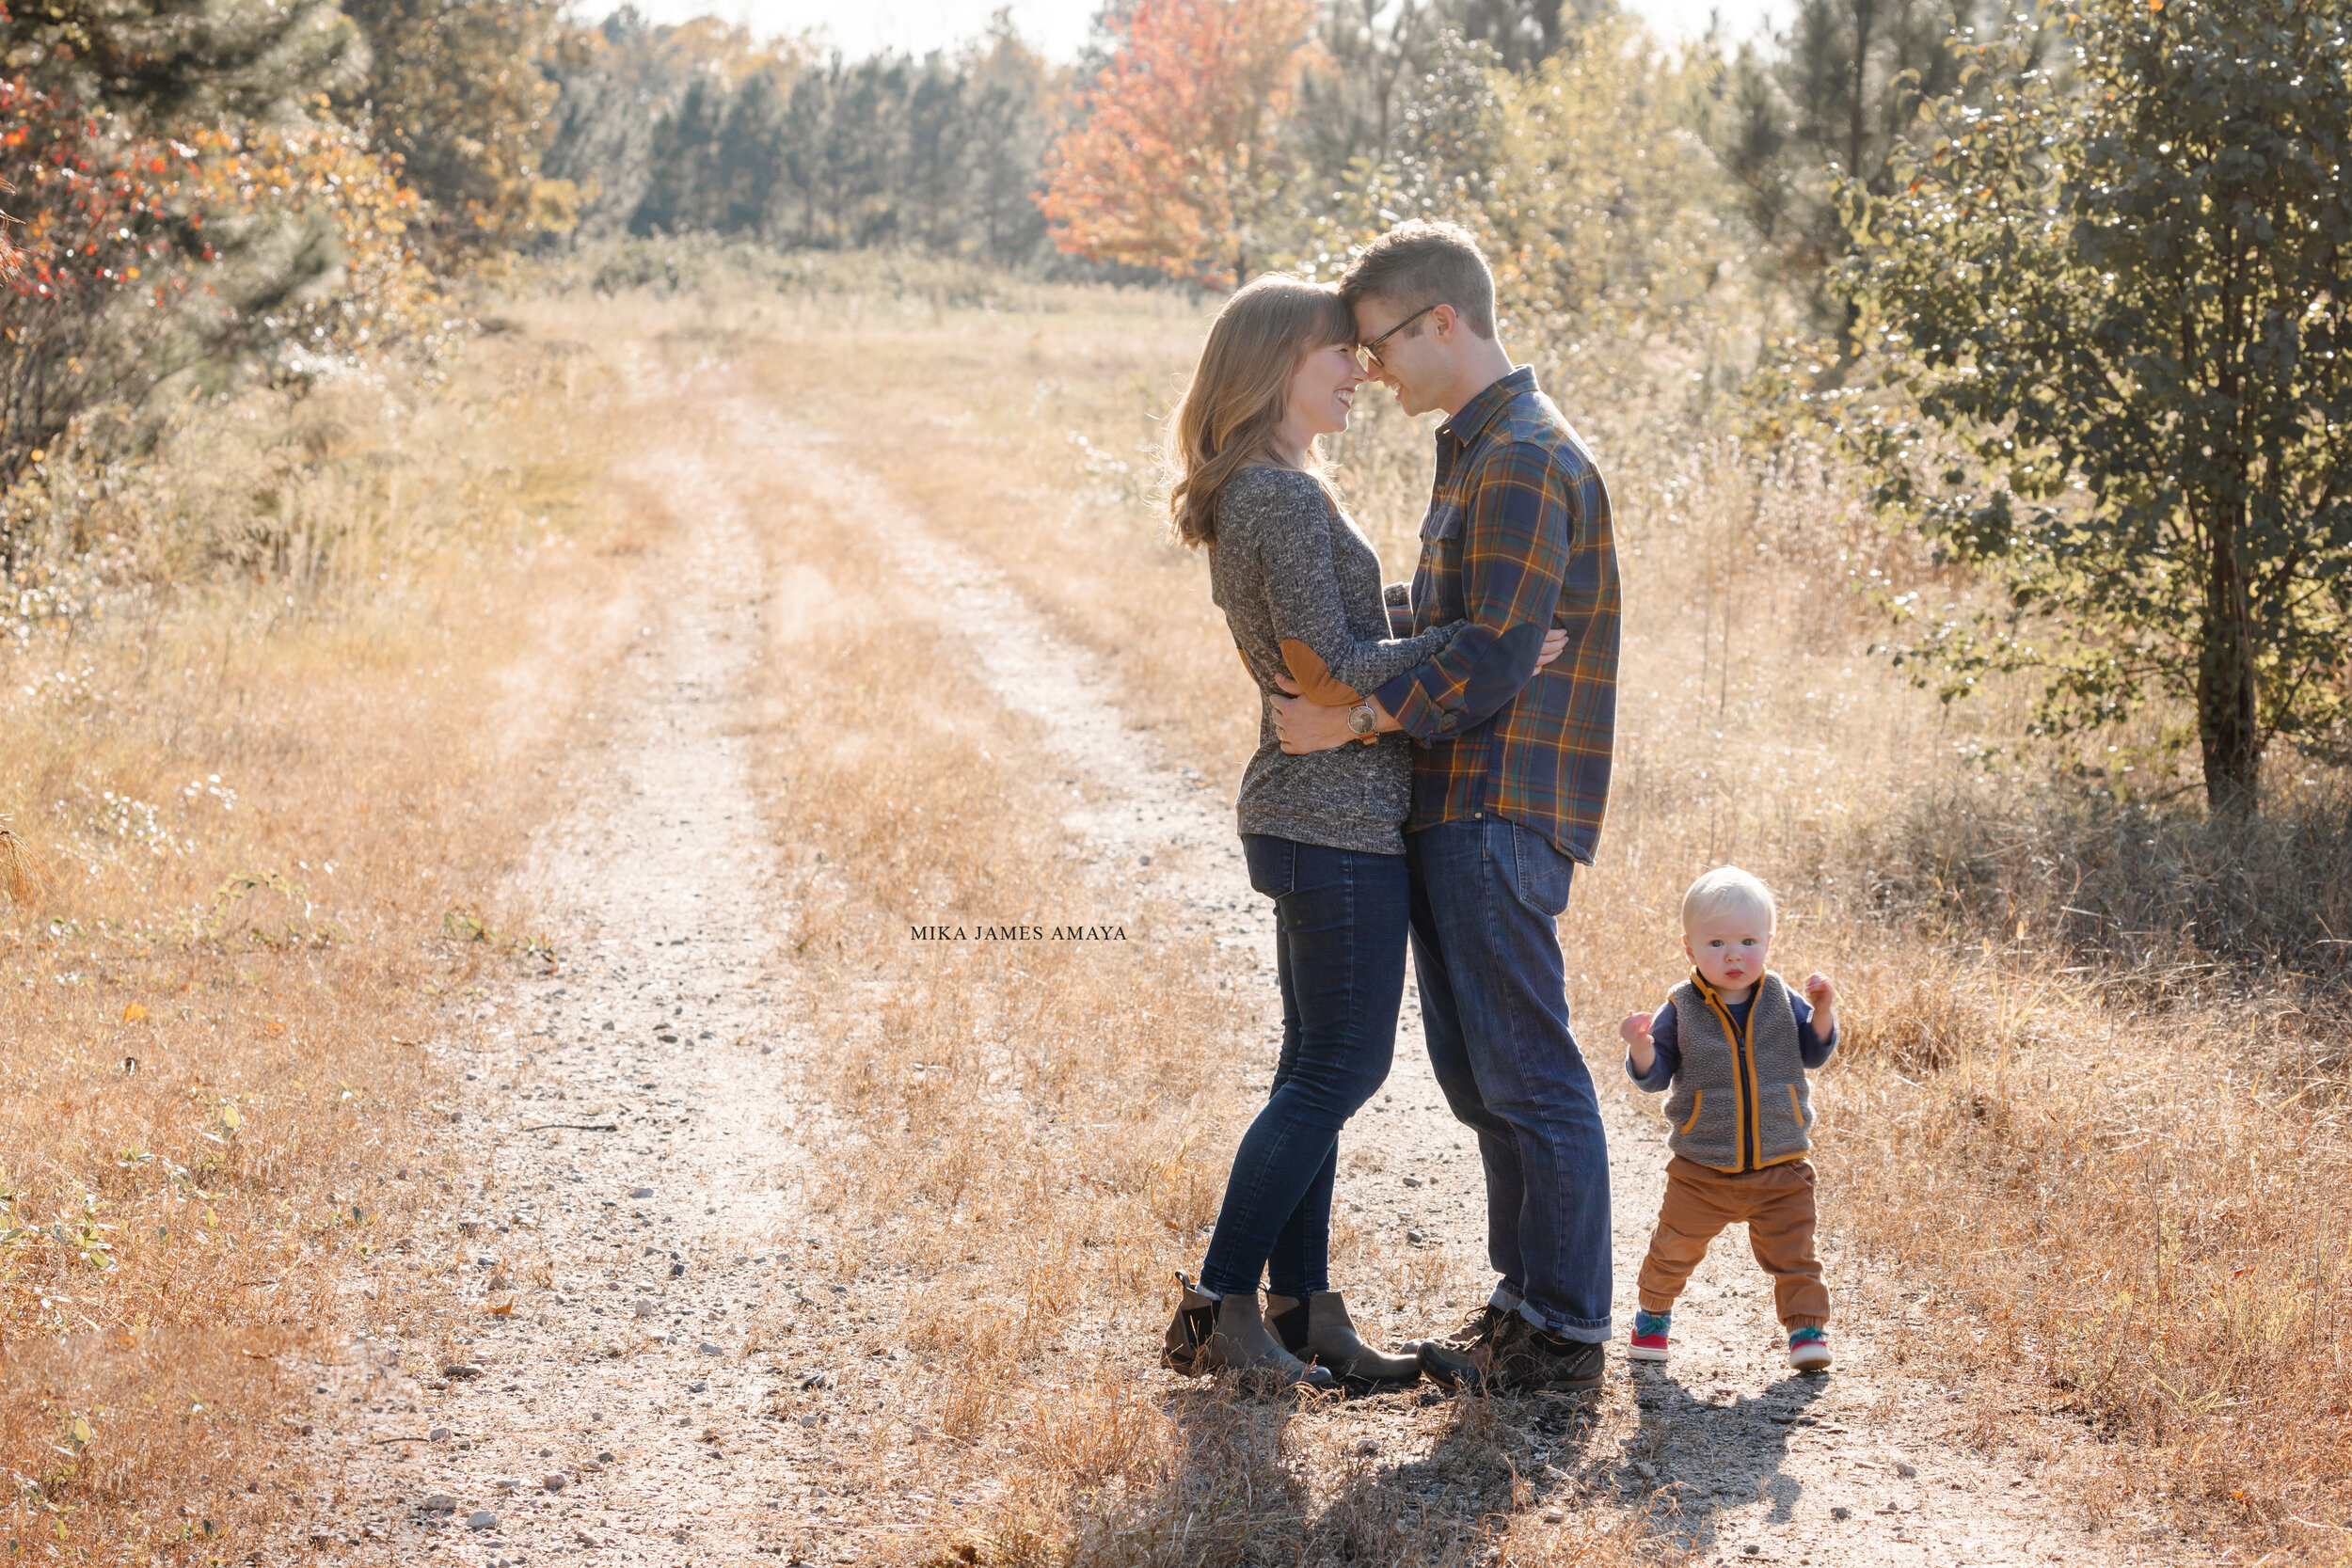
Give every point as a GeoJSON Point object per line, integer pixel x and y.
{"type": "Point", "coordinates": [1733, 1043]}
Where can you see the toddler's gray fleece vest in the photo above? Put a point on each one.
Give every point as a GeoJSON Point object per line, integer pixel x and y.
{"type": "Point", "coordinates": [1739, 1104]}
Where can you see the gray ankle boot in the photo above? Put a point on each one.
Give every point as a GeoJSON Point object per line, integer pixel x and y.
{"type": "Point", "coordinates": [1211, 1334]}
{"type": "Point", "coordinates": [1317, 1326]}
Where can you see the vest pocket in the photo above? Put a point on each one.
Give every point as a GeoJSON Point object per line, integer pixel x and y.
{"type": "Point", "coordinates": [1698, 1097]}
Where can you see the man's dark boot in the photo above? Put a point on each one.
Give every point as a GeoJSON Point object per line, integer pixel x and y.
{"type": "Point", "coordinates": [1456, 1360]}
{"type": "Point", "coordinates": [1210, 1334]}
{"type": "Point", "coordinates": [1317, 1328]}
{"type": "Point", "coordinates": [1519, 1358]}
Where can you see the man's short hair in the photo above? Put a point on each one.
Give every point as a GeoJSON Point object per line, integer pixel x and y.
{"type": "Point", "coordinates": [1419, 264]}
{"type": "Point", "coordinates": [1727, 889]}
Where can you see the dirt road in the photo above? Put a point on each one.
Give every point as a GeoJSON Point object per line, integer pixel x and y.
{"type": "Point", "coordinates": [636, 1404]}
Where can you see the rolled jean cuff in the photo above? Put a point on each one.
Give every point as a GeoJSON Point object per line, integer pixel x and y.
{"type": "Point", "coordinates": [1505, 1299]}
{"type": "Point", "coordinates": [1590, 1331]}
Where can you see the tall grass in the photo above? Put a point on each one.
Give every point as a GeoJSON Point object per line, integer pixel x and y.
{"type": "Point", "coordinates": [2084, 1121]}
{"type": "Point", "coordinates": [261, 734]}
{"type": "Point", "coordinates": [1031, 1138]}
{"type": "Point", "coordinates": [272, 732]}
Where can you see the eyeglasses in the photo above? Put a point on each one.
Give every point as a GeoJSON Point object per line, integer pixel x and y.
{"type": "Point", "coordinates": [1371, 349]}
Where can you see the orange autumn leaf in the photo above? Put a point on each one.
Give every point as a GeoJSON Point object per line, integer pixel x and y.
{"type": "Point", "coordinates": [135, 1014]}
{"type": "Point", "coordinates": [1177, 157]}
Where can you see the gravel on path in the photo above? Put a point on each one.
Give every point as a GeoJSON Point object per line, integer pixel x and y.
{"type": "Point", "coordinates": [624, 1412]}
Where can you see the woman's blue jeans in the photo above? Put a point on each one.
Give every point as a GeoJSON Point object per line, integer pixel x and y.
{"type": "Point", "coordinates": [1340, 920]}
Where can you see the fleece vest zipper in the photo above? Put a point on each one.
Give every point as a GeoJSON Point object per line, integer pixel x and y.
{"type": "Point", "coordinates": [1727, 1097]}
{"type": "Point", "coordinates": [1744, 1088]}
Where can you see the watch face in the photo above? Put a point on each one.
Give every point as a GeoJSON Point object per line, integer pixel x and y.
{"type": "Point", "coordinates": [1359, 719]}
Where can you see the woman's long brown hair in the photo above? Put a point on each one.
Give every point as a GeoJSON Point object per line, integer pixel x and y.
{"type": "Point", "coordinates": [1229, 412]}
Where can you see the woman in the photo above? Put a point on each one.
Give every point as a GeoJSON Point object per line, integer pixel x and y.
{"type": "Point", "coordinates": [1321, 833]}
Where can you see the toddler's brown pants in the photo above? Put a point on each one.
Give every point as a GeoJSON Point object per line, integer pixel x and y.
{"type": "Point", "coordinates": [1777, 1205]}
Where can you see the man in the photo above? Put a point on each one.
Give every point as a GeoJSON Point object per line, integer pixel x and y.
{"type": "Point", "coordinates": [1510, 780]}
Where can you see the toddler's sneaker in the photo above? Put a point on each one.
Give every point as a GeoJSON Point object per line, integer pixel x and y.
{"type": "Point", "coordinates": [1808, 1350]}
{"type": "Point", "coordinates": [1649, 1335]}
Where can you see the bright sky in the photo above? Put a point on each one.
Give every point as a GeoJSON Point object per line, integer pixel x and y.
{"type": "Point", "coordinates": [1059, 26]}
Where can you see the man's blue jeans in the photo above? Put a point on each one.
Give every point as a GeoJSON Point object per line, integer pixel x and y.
{"type": "Point", "coordinates": [1340, 921]}
{"type": "Point", "coordinates": [1487, 902]}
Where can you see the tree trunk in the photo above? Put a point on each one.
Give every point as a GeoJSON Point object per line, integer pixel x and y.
{"type": "Point", "coordinates": [2226, 725]}
{"type": "Point", "coordinates": [1857, 118]}
{"type": "Point", "coordinates": [1864, 15]}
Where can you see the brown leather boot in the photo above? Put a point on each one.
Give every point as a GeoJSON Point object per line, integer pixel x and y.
{"type": "Point", "coordinates": [1317, 1327]}
{"type": "Point", "coordinates": [1210, 1334]}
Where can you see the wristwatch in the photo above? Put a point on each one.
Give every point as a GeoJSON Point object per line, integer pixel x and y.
{"type": "Point", "coordinates": [1360, 719]}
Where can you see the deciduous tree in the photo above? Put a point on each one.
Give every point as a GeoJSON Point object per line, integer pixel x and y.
{"type": "Point", "coordinates": [1177, 162]}
{"type": "Point", "coordinates": [455, 89]}
{"type": "Point", "coordinates": [2119, 318]}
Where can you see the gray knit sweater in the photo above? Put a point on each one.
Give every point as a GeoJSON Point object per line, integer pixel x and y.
{"type": "Point", "coordinates": [1300, 588]}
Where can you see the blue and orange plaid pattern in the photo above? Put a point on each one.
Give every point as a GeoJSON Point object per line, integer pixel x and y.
{"type": "Point", "coordinates": [1518, 539]}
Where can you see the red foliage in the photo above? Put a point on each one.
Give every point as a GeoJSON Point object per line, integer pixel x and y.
{"type": "Point", "coordinates": [88, 204]}
{"type": "Point", "coordinates": [1177, 160]}
{"type": "Point", "coordinates": [89, 219]}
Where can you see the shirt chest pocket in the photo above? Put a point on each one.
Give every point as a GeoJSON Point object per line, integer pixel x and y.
{"type": "Point", "coordinates": [1444, 520]}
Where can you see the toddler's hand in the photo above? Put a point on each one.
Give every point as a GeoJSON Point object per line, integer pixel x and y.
{"type": "Point", "coordinates": [1635, 1029]}
{"type": "Point", "coordinates": [1819, 994]}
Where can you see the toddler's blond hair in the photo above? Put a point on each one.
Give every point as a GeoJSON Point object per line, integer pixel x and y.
{"type": "Point", "coordinates": [1727, 889]}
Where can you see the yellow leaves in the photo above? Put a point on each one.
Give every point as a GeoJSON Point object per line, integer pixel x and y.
{"type": "Point", "coordinates": [135, 1014]}
{"type": "Point", "coordinates": [275, 1028]}
{"type": "Point", "coordinates": [502, 1308]}
{"type": "Point", "coordinates": [79, 1432]}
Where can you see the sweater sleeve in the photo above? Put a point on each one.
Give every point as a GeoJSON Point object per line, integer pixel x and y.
{"type": "Point", "coordinates": [1665, 1039]}
{"type": "Point", "coordinates": [1288, 522]}
{"type": "Point", "coordinates": [1814, 1052]}
{"type": "Point", "coordinates": [1397, 599]}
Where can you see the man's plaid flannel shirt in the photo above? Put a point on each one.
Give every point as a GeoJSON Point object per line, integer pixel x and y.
{"type": "Point", "coordinates": [1516, 540]}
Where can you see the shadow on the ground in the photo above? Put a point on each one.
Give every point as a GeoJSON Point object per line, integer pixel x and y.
{"type": "Point", "coordinates": [1246, 1486]}
{"type": "Point", "coordinates": [1498, 1457]}
{"type": "Point", "coordinates": [1249, 1483]}
{"type": "Point", "coordinates": [1710, 1455]}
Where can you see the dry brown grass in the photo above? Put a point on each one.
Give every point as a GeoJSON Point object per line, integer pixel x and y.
{"type": "Point", "coordinates": [2102, 1193]}
{"type": "Point", "coordinates": [1030, 1138]}
{"type": "Point", "coordinates": [265, 740]}
{"type": "Point", "coordinates": [2098, 1190]}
